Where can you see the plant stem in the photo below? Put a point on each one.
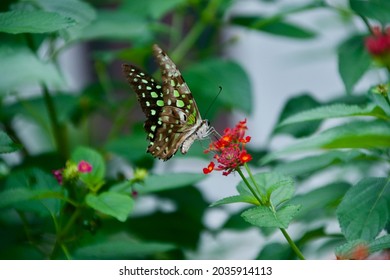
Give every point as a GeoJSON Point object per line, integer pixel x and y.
{"type": "Point", "coordinates": [249, 186]}
{"type": "Point", "coordinates": [292, 244]}
{"type": "Point", "coordinates": [58, 131]}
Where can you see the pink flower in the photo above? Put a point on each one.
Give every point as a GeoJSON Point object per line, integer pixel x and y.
{"type": "Point", "coordinates": [379, 43]}
{"type": "Point", "coordinates": [84, 167]}
{"type": "Point", "coordinates": [58, 175]}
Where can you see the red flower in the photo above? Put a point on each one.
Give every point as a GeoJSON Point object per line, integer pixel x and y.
{"type": "Point", "coordinates": [229, 150]}
{"type": "Point", "coordinates": [379, 43]}
{"type": "Point", "coordinates": [84, 167]}
{"type": "Point", "coordinates": [58, 175]}
{"type": "Point", "coordinates": [209, 168]}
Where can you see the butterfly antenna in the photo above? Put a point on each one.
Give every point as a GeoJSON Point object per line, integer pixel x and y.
{"type": "Point", "coordinates": [213, 101]}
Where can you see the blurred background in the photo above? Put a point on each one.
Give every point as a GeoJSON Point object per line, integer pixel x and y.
{"type": "Point", "coordinates": [61, 87]}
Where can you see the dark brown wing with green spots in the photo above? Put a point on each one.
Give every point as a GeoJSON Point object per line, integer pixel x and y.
{"type": "Point", "coordinates": [171, 111]}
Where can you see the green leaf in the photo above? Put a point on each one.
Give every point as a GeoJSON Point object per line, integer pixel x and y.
{"type": "Point", "coordinates": [274, 26]}
{"type": "Point", "coordinates": [30, 70]}
{"type": "Point", "coordinates": [154, 8]}
{"type": "Point", "coordinates": [32, 190]}
{"type": "Point", "coordinates": [121, 249]}
{"type": "Point", "coordinates": [263, 216]}
{"type": "Point", "coordinates": [16, 22]}
{"type": "Point", "coordinates": [96, 176]}
{"type": "Point", "coordinates": [115, 25]}
{"type": "Point", "coordinates": [294, 106]}
{"type": "Point", "coordinates": [205, 78]}
{"type": "Point", "coordinates": [380, 243]}
{"type": "Point", "coordinates": [375, 9]}
{"type": "Point", "coordinates": [364, 210]}
{"type": "Point", "coordinates": [7, 145]}
{"type": "Point", "coordinates": [279, 188]}
{"type": "Point", "coordinates": [157, 183]}
{"type": "Point", "coordinates": [113, 204]}
{"type": "Point", "coordinates": [353, 61]}
{"type": "Point", "coordinates": [380, 95]}
{"type": "Point", "coordinates": [81, 12]}
{"type": "Point", "coordinates": [235, 199]}
{"type": "Point", "coordinates": [310, 164]}
{"type": "Point", "coordinates": [358, 134]}
{"type": "Point", "coordinates": [336, 111]}
{"type": "Point", "coordinates": [320, 202]}
{"type": "Point", "coordinates": [275, 251]}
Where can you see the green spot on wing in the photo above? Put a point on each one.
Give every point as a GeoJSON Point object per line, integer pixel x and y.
{"type": "Point", "coordinates": [180, 103]}
{"type": "Point", "coordinates": [176, 93]}
{"type": "Point", "coordinates": [154, 94]}
{"type": "Point", "coordinates": [160, 103]}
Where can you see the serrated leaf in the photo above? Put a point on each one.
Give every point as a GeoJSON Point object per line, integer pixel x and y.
{"type": "Point", "coordinates": [364, 210]}
{"type": "Point", "coordinates": [29, 69]}
{"type": "Point", "coordinates": [113, 204]}
{"type": "Point", "coordinates": [336, 111]}
{"type": "Point", "coordinates": [276, 26]}
{"type": "Point", "coordinates": [7, 145]}
{"type": "Point", "coordinates": [358, 134]}
{"type": "Point", "coordinates": [16, 22]}
{"type": "Point", "coordinates": [278, 187]}
{"type": "Point", "coordinates": [380, 243]}
{"type": "Point", "coordinates": [157, 183]}
{"type": "Point", "coordinates": [353, 61]}
{"type": "Point", "coordinates": [380, 95]}
{"type": "Point", "coordinates": [235, 199]}
{"type": "Point", "coordinates": [96, 176]}
{"type": "Point", "coordinates": [121, 249]}
{"type": "Point", "coordinates": [205, 78]}
{"type": "Point", "coordinates": [263, 216]}
{"type": "Point", "coordinates": [375, 9]}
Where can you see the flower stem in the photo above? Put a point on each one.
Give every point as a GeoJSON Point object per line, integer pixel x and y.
{"type": "Point", "coordinates": [292, 244]}
{"type": "Point", "coordinates": [249, 186]}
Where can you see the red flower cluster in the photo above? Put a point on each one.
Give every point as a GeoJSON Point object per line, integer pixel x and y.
{"type": "Point", "coordinates": [379, 43]}
{"type": "Point", "coordinates": [229, 150]}
{"type": "Point", "coordinates": [71, 171]}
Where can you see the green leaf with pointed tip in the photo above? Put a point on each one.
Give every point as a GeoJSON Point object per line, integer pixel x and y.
{"type": "Point", "coordinates": [157, 183]}
{"type": "Point", "coordinates": [16, 22]}
{"type": "Point", "coordinates": [365, 209]}
{"type": "Point", "coordinates": [275, 26]}
{"type": "Point", "coordinates": [263, 216]}
{"type": "Point", "coordinates": [336, 111]}
{"type": "Point", "coordinates": [358, 134]}
{"type": "Point", "coordinates": [278, 187]}
{"type": "Point", "coordinates": [6, 144]}
{"type": "Point", "coordinates": [380, 243]}
{"type": "Point", "coordinates": [113, 204]}
{"type": "Point", "coordinates": [353, 61]}
{"type": "Point", "coordinates": [235, 199]}
{"type": "Point", "coordinates": [374, 9]}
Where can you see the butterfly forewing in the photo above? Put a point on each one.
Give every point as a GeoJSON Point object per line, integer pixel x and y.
{"type": "Point", "coordinates": [173, 119]}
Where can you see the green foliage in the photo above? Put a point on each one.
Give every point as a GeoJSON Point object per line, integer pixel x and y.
{"type": "Point", "coordinates": [73, 169]}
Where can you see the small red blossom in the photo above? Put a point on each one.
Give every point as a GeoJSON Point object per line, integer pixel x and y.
{"type": "Point", "coordinates": [209, 168]}
{"type": "Point", "coordinates": [378, 44]}
{"type": "Point", "coordinates": [58, 175]}
{"type": "Point", "coordinates": [229, 150]}
{"type": "Point", "coordinates": [84, 167]}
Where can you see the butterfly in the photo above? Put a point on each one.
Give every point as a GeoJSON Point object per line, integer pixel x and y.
{"type": "Point", "coordinates": [173, 120]}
